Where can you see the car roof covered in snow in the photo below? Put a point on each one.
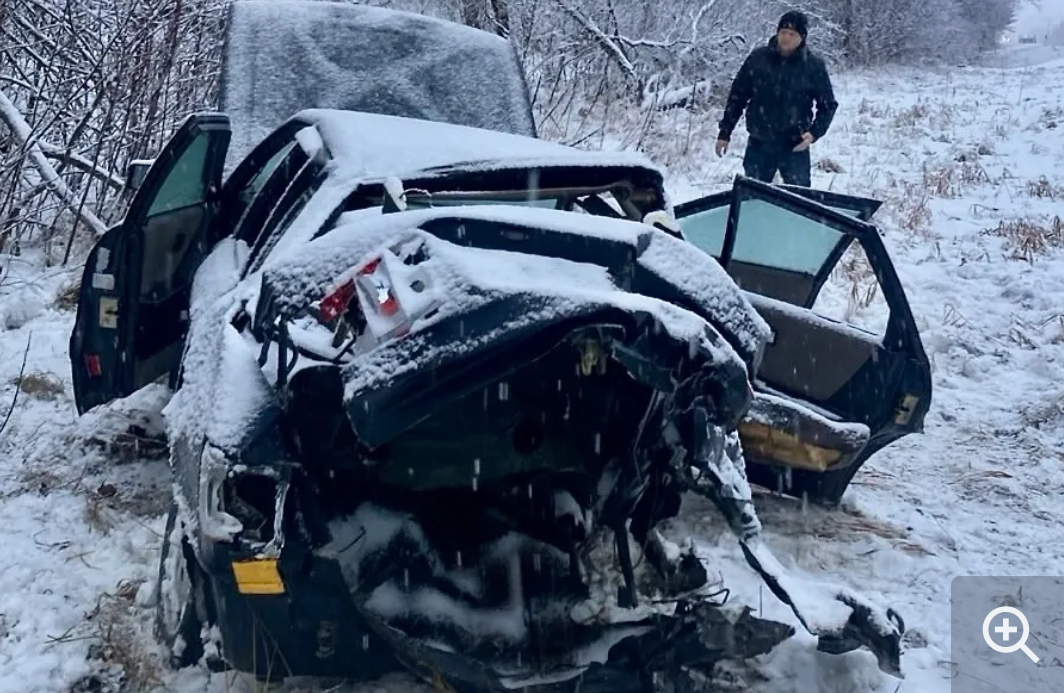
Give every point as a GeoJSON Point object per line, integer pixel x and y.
{"type": "Point", "coordinates": [282, 56]}
{"type": "Point", "coordinates": [370, 147]}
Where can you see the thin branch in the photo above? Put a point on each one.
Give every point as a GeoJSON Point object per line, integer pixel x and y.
{"type": "Point", "coordinates": [113, 181]}
{"type": "Point", "coordinates": [18, 384]}
{"type": "Point", "coordinates": [604, 41]}
{"type": "Point", "coordinates": [22, 132]}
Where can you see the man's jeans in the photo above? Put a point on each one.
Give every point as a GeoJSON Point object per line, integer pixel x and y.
{"type": "Point", "coordinates": [763, 159]}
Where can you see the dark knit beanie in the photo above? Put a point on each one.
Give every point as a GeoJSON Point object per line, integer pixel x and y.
{"type": "Point", "coordinates": [795, 20]}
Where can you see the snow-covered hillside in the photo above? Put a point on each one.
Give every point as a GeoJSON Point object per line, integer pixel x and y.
{"type": "Point", "coordinates": [971, 166]}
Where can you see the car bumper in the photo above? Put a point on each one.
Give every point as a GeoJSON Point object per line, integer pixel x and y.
{"type": "Point", "coordinates": [308, 628]}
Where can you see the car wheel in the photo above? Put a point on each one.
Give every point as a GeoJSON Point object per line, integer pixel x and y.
{"type": "Point", "coordinates": [179, 591]}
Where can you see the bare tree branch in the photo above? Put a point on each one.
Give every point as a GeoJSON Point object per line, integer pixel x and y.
{"type": "Point", "coordinates": [602, 39]}
{"type": "Point", "coordinates": [22, 132]}
{"type": "Point", "coordinates": [112, 180]}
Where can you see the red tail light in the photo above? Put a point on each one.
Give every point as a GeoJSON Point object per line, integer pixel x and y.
{"type": "Point", "coordinates": [92, 365]}
{"type": "Point", "coordinates": [378, 289]}
{"type": "Point", "coordinates": [335, 304]}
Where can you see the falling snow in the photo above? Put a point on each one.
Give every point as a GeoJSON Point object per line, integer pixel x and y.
{"type": "Point", "coordinates": [977, 493]}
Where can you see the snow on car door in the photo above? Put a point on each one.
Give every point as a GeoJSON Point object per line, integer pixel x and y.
{"type": "Point", "coordinates": [134, 296]}
{"type": "Point", "coordinates": [781, 246]}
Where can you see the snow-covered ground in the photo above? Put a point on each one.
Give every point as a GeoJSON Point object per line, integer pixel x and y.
{"type": "Point", "coordinates": [959, 157]}
{"type": "Point", "coordinates": [969, 163]}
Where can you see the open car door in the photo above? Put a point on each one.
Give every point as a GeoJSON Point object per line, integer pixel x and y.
{"type": "Point", "coordinates": [134, 297]}
{"type": "Point", "coordinates": [828, 394]}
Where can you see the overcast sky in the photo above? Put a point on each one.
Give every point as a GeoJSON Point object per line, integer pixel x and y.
{"type": "Point", "coordinates": [1032, 20]}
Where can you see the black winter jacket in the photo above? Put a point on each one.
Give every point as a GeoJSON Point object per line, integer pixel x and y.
{"type": "Point", "coordinates": [778, 93]}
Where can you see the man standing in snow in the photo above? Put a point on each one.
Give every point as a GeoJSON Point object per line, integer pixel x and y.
{"type": "Point", "coordinates": [776, 86]}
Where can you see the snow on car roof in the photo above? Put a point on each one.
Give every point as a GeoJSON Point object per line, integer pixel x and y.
{"type": "Point", "coordinates": [282, 56]}
{"type": "Point", "coordinates": [373, 146]}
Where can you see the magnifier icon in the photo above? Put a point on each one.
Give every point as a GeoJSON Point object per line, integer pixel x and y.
{"type": "Point", "coordinates": [1006, 629]}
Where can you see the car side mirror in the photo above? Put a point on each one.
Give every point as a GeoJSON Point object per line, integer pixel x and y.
{"type": "Point", "coordinates": [135, 173]}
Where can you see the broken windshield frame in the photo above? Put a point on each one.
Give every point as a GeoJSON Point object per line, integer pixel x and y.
{"type": "Point", "coordinates": [616, 196]}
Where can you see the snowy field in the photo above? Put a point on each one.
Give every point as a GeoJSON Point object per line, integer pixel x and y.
{"type": "Point", "coordinates": [970, 164]}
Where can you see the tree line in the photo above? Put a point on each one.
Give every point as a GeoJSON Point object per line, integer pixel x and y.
{"type": "Point", "coordinates": [88, 85]}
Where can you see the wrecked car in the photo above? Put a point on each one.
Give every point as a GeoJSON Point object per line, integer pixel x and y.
{"type": "Point", "coordinates": [413, 415]}
{"type": "Point", "coordinates": [437, 388]}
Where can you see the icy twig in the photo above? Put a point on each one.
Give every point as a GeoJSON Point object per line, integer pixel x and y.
{"type": "Point", "coordinates": [22, 132]}
{"type": "Point", "coordinates": [21, 373]}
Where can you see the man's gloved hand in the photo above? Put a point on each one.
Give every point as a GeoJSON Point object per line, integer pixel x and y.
{"type": "Point", "coordinates": [807, 139]}
{"type": "Point", "coordinates": [721, 147]}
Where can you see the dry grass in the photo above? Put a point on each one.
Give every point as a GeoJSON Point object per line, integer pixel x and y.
{"type": "Point", "coordinates": [107, 502]}
{"type": "Point", "coordinates": [992, 486]}
{"type": "Point", "coordinates": [934, 118]}
{"type": "Point", "coordinates": [1043, 415]}
{"type": "Point", "coordinates": [829, 166]}
{"type": "Point", "coordinates": [911, 116]}
{"type": "Point", "coordinates": [97, 514]}
{"type": "Point", "coordinates": [40, 385]}
{"type": "Point", "coordinates": [1044, 189]}
{"type": "Point", "coordinates": [40, 481]}
{"type": "Point", "coordinates": [1051, 117]}
{"type": "Point", "coordinates": [872, 109]}
{"type": "Point", "coordinates": [131, 445]}
{"type": "Point", "coordinates": [121, 651]}
{"type": "Point", "coordinates": [1026, 238]}
{"type": "Point", "coordinates": [951, 180]}
{"type": "Point", "coordinates": [67, 298]}
{"type": "Point", "coordinates": [910, 206]}
{"type": "Point", "coordinates": [841, 524]}
{"type": "Point", "coordinates": [854, 272]}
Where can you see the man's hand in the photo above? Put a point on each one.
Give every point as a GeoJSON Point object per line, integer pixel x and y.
{"type": "Point", "coordinates": [807, 139]}
{"type": "Point", "coordinates": [721, 147]}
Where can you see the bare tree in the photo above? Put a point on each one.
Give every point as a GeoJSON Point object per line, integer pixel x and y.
{"type": "Point", "coordinates": [890, 31]}
{"type": "Point", "coordinates": [87, 86]}
{"type": "Point", "coordinates": [488, 15]}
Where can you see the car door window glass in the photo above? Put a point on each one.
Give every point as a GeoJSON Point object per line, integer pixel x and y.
{"type": "Point", "coordinates": [255, 186]}
{"type": "Point", "coordinates": [705, 229]}
{"type": "Point", "coordinates": [295, 197]}
{"type": "Point", "coordinates": [270, 192]}
{"type": "Point", "coordinates": [173, 222]}
{"type": "Point", "coordinates": [771, 236]}
{"type": "Point", "coordinates": [185, 185]}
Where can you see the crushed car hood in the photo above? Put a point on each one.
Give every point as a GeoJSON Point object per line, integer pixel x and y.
{"type": "Point", "coordinates": [571, 256]}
